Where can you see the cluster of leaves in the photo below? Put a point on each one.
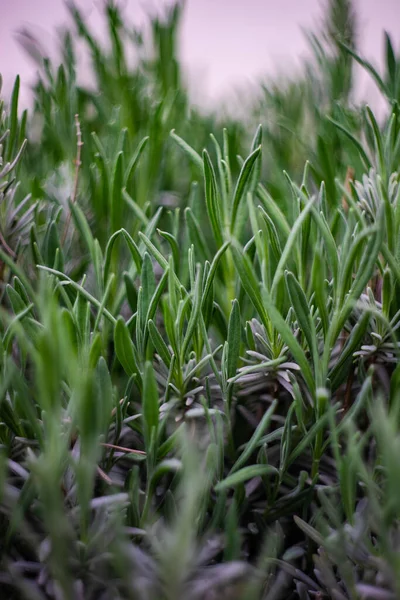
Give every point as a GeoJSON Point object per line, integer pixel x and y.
{"type": "Point", "coordinates": [198, 372]}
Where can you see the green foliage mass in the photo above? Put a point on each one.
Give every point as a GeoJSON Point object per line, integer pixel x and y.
{"type": "Point", "coordinates": [199, 332]}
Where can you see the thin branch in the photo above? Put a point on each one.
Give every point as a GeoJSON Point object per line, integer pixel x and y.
{"type": "Point", "coordinates": [104, 476]}
{"type": "Point", "coordinates": [130, 450]}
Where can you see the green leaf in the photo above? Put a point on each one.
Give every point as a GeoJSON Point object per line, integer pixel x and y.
{"type": "Point", "coordinates": [329, 241]}
{"type": "Point", "coordinates": [368, 67]}
{"type": "Point", "coordinates": [212, 199]}
{"type": "Point", "coordinates": [256, 172]}
{"type": "Point", "coordinates": [269, 314]}
{"type": "Point", "coordinates": [212, 271]}
{"type": "Point", "coordinates": [82, 226]}
{"type": "Point", "coordinates": [302, 312]}
{"type": "Point", "coordinates": [18, 304]}
{"type": "Point", "coordinates": [387, 292]}
{"type": "Point", "coordinates": [196, 235]}
{"type": "Point", "coordinates": [290, 244]}
{"type": "Point", "coordinates": [81, 290]}
{"type": "Point", "coordinates": [169, 324]}
{"type": "Point", "coordinates": [153, 250]}
{"type": "Point", "coordinates": [134, 250]}
{"type": "Point", "coordinates": [11, 329]}
{"type": "Point", "coordinates": [148, 282]}
{"type": "Point", "coordinates": [390, 64]}
{"type": "Point", "coordinates": [150, 404]}
{"type": "Point", "coordinates": [269, 229]}
{"type": "Point", "coordinates": [290, 340]}
{"type": "Point", "coordinates": [131, 292]}
{"type": "Point", "coordinates": [17, 271]}
{"type": "Point", "coordinates": [174, 246]}
{"type": "Point", "coordinates": [95, 348]}
{"type": "Point", "coordinates": [82, 316]}
{"type": "Point", "coordinates": [241, 184]}
{"type": "Point", "coordinates": [116, 211]}
{"type": "Point", "coordinates": [307, 439]}
{"type": "Point", "coordinates": [377, 139]}
{"type": "Point", "coordinates": [51, 244]}
{"type": "Point", "coordinates": [34, 246]}
{"type": "Point", "coordinates": [255, 438]}
{"type": "Point", "coordinates": [12, 137]}
{"type": "Point", "coordinates": [318, 275]}
{"type": "Point", "coordinates": [233, 538]}
{"type": "Point", "coordinates": [234, 339]}
{"type": "Point", "coordinates": [340, 370]}
{"type": "Point", "coordinates": [366, 267]}
{"type": "Point", "coordinates": [135, 160]}
{"type": "Point", "coordinates": [192, 154]}
{"type": "Point", "coordinates": [104, 301]}
{"type": "Point", "coordinates": [104, 404]}
{"type": "Point", "coordinates": [309, 531]}
{"type": "Point", "coordinates": [194, 315]}
{"type": "Point", "coordinates": [357, 144]}
{"type": "Point", "coordinates": [244, 475]}
{"type": "Point", "coordinates": [165, 467]}
{"type": "Point", "coordinates": [159, 344]}
{"type": "Point", "coordinates": [137, 211]}
{"type": "Point", "coordinates": [249, 282]}
{"type": "Point", "coordinates": [154, 301]}
{"type": "Point", "coordinates": [124, 348]}
{"type": "Point", "coordinates": [20, 289]}
{"type": "Point", "coordinates": [274, 212]}
{"type": "Point", "coordinates": [97, 265]}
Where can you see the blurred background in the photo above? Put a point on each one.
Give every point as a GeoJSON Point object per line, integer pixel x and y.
{"type": "Point", "coordinates": [225, 45]}
{"type": "Point", "coordinates": [137, 68]}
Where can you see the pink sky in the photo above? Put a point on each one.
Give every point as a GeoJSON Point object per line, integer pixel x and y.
{"type": "Point", "coordinates": [225, 43]}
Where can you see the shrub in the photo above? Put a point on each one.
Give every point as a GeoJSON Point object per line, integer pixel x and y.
{"type": "Point", "coordinates": [199, 372]}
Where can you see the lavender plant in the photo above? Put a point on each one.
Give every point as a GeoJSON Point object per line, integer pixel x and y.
{"type": "Point", "coordinates": [199, 363]}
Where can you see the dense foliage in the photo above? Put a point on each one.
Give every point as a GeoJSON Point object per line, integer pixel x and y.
{"type": "Point", "coordinates": [199, 348]}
